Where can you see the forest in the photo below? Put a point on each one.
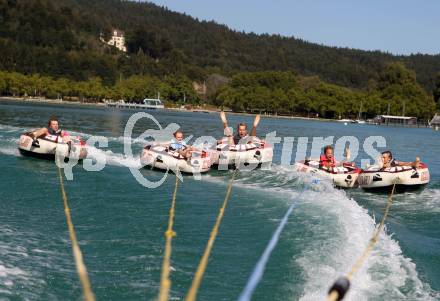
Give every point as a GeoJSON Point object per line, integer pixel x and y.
{"type": "Point", "coordinates": [274, 92]}
{"type": "Point", "coordinates": [52, 49]}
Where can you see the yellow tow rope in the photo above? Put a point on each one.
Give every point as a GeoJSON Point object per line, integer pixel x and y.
{"type": "Point", "coordinates": [165, 282]}
{"type": "Point", "coordinates": [341, 286]}
{"type": "Point", "coordinates": [192, 293]}
{"type": "Point", "coordinates": [80, 266]}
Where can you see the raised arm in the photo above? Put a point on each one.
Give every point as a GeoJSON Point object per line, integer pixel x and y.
{"type": "Point", "coordinates": [227, 131]}
{"type": "Point", "coordinates": [347, 154]}
{"type": "Point", "coordinates": [346, 160]}
{"type": "Point", "coordinates": [254, 126]}
{"type": "Point", "coordinates": [224, 120]}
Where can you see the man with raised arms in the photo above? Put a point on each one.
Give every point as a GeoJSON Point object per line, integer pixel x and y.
{"type": "Point", "coordinates": [242, 135]}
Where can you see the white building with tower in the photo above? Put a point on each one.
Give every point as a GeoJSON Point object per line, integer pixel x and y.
{"type": "Point", "coordinates": [117, 40]}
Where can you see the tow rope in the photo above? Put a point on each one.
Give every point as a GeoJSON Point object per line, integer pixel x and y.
{"type": "Point", "coordinates": [165, 282]}
{"type": "Point", "coordinates": [80, 266]}
{"type": "Point", "coordinates": [192, 293]}
{"type": "Point", "coordinates": [258, 271]}
{"type": "Point", "coordinates": [342, 285]}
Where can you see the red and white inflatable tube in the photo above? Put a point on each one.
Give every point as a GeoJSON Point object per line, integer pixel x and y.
{"type": "Point", "coordinates": [49, 145]}
{"type": "Point", "coordinates": [344, 176]}
{"type": "Point", "coordinates": [254, 153]}
{"type": "Point", "coordinates": [160, 156]}
{"type": "Point", "coordinates": [403, 176]}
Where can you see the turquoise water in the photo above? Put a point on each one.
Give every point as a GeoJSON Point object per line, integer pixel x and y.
{"type": "Point", "coordinates": [120, 224]}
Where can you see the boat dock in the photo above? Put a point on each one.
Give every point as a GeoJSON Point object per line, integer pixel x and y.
{"type": "Point", "coordinates": [147, 103]}
{"type": "Point", "coordinates": [131, 105]}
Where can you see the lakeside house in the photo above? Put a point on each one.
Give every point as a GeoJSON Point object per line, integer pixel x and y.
{"type": "Point", "coordinates": [117, 40]}
{"type": "Point", "coordinates": [435, 122]}
{"type": "Point", "coordinates": [395, 120]}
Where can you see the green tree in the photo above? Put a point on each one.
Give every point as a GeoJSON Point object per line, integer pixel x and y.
{"type": "Point", "coordinates": [3, 83]}
{"type": "Point", "coordinates": [398, 85]}
{"type": "Point", "coordinates": [178, 88]}
{"type": "Point", "coordinates": [437, 90]}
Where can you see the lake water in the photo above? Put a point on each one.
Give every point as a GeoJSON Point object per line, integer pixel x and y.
{"type": "Point", "coordinates": [120, 224]}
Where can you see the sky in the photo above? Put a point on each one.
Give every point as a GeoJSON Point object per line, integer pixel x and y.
{"type": "Point", "coordinates": [395, 26]}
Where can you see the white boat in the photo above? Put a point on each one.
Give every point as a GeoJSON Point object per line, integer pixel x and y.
{"type": "Point", "coordinates": [346, 121]}
{"type": "Point", "coordinates": [153, 103]}
{"type": "Point", "coordinates": [49, 145]}
{"type": "Point", "coordinates": [161, 156]}
{"type": "Point", "coordinates": [344, 176]}
{"type": "Point", "coordinates": [147, 103]}
{"type": "Point", "coordinates": [242, 156]}
{"type": "Point", "coordinates": [405, 177]}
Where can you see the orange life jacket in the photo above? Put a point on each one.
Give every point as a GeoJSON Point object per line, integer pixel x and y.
{"type": "Point", "coordinates": [324, 161]}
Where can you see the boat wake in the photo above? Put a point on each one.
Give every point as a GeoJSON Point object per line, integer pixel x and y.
{"type": "Point", "coordinates": [114, 159]}
{"type": "Point", "coordinates": [338, 231]}
{"type": "Point", "coordinates": [21, 259]}
{"type": "Point", "coordinates": [9, 137]}
{"type": "Point", "coordinates": [331, 230]}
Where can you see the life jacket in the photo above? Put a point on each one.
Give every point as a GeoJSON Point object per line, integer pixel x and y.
{"type": "Point", "coordinates": [243, 140]}
{"type": "Point", "coordinates": [177, 145]}
{"type": "Point", "coordinates": [53, 132]}
{"type": "Point", "coordinates": [392, 163]}
{"type": "Point", "coordinates": [324, 161]}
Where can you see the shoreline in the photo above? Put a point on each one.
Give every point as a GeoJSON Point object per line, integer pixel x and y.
{"type": "Point", "coordinates": [49, 101]}
{"type": "Point", "coordinates": [196, 110]}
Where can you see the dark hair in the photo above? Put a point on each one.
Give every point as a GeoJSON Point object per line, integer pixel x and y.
{"type": "Point", "coordinates": [327, 147]}
{"type": "Point", "coordinates": [388, 153]}
{"type": "Point", "coordinates": [176, 132]}
{"type": "Point", "coordinates": [241, 124]}
{"type": "Point", "coordinates": [52, 118]}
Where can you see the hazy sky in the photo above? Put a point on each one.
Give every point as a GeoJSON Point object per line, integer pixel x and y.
{"type": "Point", "coordinates": [396, 26]}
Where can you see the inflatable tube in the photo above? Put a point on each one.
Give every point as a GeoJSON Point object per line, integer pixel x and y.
{"type": "Point", "coordinates": [254, 153]}
{"type": "Point", "coordinates": [344, 176]}
{"type": "Point", "coordinates": [161, 157]}
{"type": "Point", "coordinates": [48, 146]}
{"type": "Point", "coordinates": [405, 177]}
